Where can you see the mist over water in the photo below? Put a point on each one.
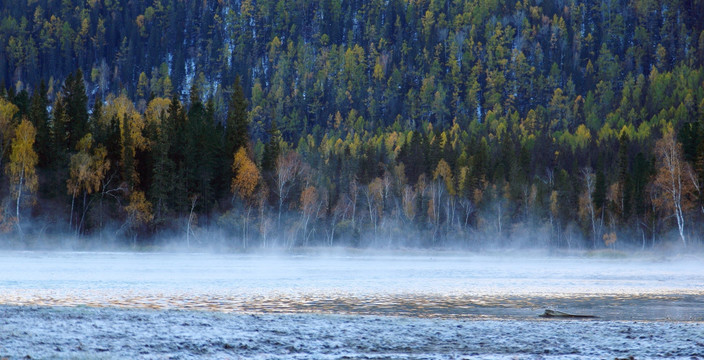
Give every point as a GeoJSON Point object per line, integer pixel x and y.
{"type": "Point", "coordinates": [347, 304]}
{"type": "Point", "coordinates": [468, 286]}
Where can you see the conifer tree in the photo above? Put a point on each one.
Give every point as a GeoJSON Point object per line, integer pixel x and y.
{"type": "Point", "coordinates": [57, 153]}
{"type": "Point", "coordinates": [39, 116]}
{"type": "Point", "coordinates": [96, 123]}
{"type": "Point", "coordinates": [75, 102]}
{"type": "Point", "coordinates": [162, 185]}
{"type": "Point", "coordinates": [175, 127]}
{"type": "Point", "coordinates": [237, 120]}
{"type": "Point", "coordinates": [113, 143]}
{"type": "Point", "coordinates": [129, 171]}
{"type": "Point", "coordinates": [272, 149]}
{"type": "Point", "coordinates": [176, 130]}
{"type": "Point", "coordinates": [199, 151]}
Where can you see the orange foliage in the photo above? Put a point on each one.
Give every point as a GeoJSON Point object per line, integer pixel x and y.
{"type": "Point", "coordinates": [247, 176]}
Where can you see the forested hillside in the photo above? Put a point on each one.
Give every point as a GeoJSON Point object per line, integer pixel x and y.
{"type": "Point", "coordinates": [470, 123]}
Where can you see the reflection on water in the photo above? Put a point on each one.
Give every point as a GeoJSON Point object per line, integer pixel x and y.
{"type": "Point", "coordinates": [682, 307]}
{"type": "Point", "coordinates": [447, 287]}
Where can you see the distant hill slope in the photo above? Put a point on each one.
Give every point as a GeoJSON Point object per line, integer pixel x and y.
{"type": "Point", "coordinates": [305, 61]}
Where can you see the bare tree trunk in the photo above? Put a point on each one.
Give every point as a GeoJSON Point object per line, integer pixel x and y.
{"type": "Point", "coordinates": [245, 228]}
{"type": "Point", "coordinates": [70, 219]}
{"type": "Point", "coordinates": [672, 160]}
{"type": "Point", "coordinates": [643, 237]}
{"type": "Point", "coordinates": [499, 217]}
{"type": "Point", "coordinates": [102, 195]}
{"type": "Point", "coordinates": [19, 197]}
{"type": "Point", "coordinates": [590, 184]}
{"type": "Point", "coordinates": [670, 177]}
{"type": "Point", "coordinates": [190, 219]}
{"type": "Point", "coordinates": [331, 238]}
{"type": "Point", "coordinates": [304, 220]}
{"type": "Point", "coordinates": [371, 208]}
{"type": "Point", "coordinates": [83, 214]}
{"type": "Point", "coordinates": [353, 200]}
{"type": "Point", "coordinates": [680, 222]}
{"type": "Point", "coordinates": [281, 204]}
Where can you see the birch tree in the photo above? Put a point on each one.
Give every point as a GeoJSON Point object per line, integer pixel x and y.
{"type": "Point", "coordinates": [244, 183]}
{"type": "Point", "coordinates": [586, 203]}
{"type": "Point", "coordinates": [287, 168]}
{"type": "Point", "coordinates": [7, 126]}
{"type": "Point", "coordinates": [408, 201]}
{"type": "Point", "coordinates": [373, 193]}
{"type": "Point", "coordinates": [672, 180]}
{"type": "Point", "coordinates": [86, 173]}
{"type": "Point", "coordinates": [21, 168]}
{"type": "Point", "coordinates": [444, 173]}
{"type": "Point", "coordinates": [139, 212]}
{"type": "Point", "coordinates": [310, 209]}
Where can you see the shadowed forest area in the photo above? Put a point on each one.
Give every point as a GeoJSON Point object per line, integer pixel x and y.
{"type": "Point", "coordinates": [400, 123]}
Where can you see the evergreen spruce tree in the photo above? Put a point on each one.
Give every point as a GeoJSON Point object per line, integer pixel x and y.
{"type": "Point", "coordinates": [176, 133]}
{"type": "Point", "coordinates": [95, 126]}
{"type": "Point", "coordinates": [162, 184]}
{"type": "Point", "coordinates": [57, 154]}
{"type": "Point", "coordinates": [58, 145]}
{"type": "Point", "coordinates": [76, 107]}
{"type": "Point", "coordinates": [39, 116]}
{"type": "Point", "coordinates": [272, 149]}
{"type": "Point", "coordinates": [113, 144]}
{"type": "Point", "coordinates": [599, 194]}
{"type": "Point", "coordinates": [200, 152]}
{"type": "Point", "coordinates": [129, 173]}
{"type": "Point", "coordinates": [221, 171]}
{"type": "Point", "coordinates": [237, 121]}
{"type": "Point", "coordinates": [415, 159]}
{"type": "Point", "coordinates": [176, 129]}
{"type": "Point", "coordinates": [624, 177]}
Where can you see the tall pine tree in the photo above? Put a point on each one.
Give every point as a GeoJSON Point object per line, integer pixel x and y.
{"type": "Point", "coordinates": [39, 116]}
{"type": "Point", "coordinates": [76, 108]}
{"type": "Point", "coordinates": [272, 149]}
{"type": "Point", "coordinates": [237, 121]}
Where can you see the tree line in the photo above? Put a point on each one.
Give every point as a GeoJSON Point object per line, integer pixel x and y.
{"type": "Point", "coordinates": [424, 123]}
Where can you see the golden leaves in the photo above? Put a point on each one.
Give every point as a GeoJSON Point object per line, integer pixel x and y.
{"type": "Point", "coordinates": [23, 160]}
{"type": "Point", "coordinates": [443, 171]}
{"type": "Point", "coordinates": [139, 211]}
{"type": "Point", "coordinates": [7, 124]}
{"type": "Point", "coordinates": [610, 238]}
{"type": "Point", "coordinates": [123, 108]}
{"type": "Point", "coordinates": [309, 200]}
{"type": "Point", "coordinates": [87, 170]}
{"type": "Point", "coordinates": [247, 175]}
{"type": "Point", "coordinates": [155, 108]}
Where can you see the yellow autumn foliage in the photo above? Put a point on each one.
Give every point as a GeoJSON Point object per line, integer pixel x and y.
{"type": "Point", "coordinates": [247, 176]}
{"type": "Point", "coordinates": [23, 161]}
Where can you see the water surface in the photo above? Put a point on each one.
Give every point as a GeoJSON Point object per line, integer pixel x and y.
{"type": "Point", "coordinates": [481, 287]}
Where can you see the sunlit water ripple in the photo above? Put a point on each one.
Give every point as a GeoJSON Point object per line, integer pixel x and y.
{"type": "Point", "coordinates": [415, 286]}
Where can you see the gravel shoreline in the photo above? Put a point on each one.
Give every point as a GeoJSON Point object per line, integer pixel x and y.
{"type": "Point", "coordinates": [105, 333]}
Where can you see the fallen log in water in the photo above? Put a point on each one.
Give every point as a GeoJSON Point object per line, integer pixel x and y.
{"type": "Point", "coordinates": [559, 314]}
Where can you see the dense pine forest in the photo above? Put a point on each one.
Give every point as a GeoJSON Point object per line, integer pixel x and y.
{"type": "Point", "coordinates": [396, 123]}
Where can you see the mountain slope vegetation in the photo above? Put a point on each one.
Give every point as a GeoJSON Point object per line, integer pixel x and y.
{"type": "Point", "coordinates": [466, 123]}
